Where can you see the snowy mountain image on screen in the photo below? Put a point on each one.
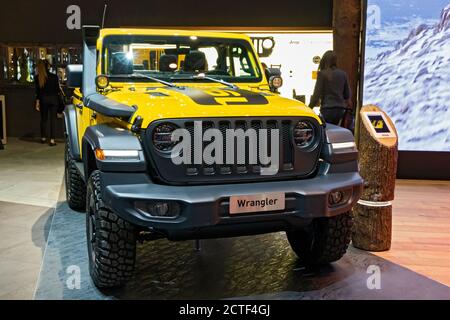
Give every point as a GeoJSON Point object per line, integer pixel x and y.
{"type": "Point", "coordinates": [407, 71]}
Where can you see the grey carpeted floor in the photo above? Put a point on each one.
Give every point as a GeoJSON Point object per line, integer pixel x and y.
{"type": "Point", "coordinates": [262, 267]}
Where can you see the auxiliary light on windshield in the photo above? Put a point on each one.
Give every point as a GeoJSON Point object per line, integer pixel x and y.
{"type": "Point", "coordinates": [102, 82]}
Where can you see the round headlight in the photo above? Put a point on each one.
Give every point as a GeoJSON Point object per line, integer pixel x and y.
{"type": "Point", "coordinates": [276, 82]}
{"type": "Point", "coordinates": [304, 134]}
{"type": "Point", "coordinates": [102, 82]}
{"type": "Point", "coordinates": [162, 137]}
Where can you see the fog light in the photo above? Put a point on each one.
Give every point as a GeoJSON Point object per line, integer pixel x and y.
{"type": "Point", "coordinates": [335, 198]}
{"type": "Point", "coordinates": [158, 209]}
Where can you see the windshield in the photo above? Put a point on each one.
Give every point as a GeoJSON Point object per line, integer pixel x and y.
{"type": "Point", "coordinates": [178, 59]}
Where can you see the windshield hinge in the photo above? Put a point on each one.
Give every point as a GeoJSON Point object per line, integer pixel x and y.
{"type": "Point", "coordinates": [137, 124]}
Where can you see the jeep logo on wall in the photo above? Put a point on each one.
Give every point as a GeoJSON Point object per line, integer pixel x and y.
{"type": "Point", "coordinates": [264, 46]}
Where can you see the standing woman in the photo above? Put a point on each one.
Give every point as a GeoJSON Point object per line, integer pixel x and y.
{"type": "Point", "coordinates": [47, 100]}
{"type": "Point", "coordinates": [332, 91]}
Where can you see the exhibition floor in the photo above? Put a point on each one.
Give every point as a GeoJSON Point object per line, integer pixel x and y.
{"type": "Point", "coordinates": [30, 180]}
{"type": "Point", "coordinates": [43, 240]}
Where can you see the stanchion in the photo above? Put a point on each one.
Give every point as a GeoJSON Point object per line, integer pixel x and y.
{"type": "Point", "coordinates": [378, 149]}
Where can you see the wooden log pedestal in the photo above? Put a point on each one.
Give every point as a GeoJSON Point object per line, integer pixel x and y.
{"type": "Point", "coordinates": [378, 156]}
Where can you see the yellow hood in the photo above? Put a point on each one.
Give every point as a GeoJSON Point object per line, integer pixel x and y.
{"type": "Point", "coordinates": [207, 101]}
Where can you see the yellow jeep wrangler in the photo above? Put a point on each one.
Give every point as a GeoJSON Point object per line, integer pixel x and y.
{"type": "Point", "coordinates": [181, 135]}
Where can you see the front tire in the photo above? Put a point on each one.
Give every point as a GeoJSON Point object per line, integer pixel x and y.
{"type": "Point", "coordinates": [325, 241]}
{"type": "Point", "coordinates": [111, 240]}
{"type": "Point", "coordinates": [75, 186]}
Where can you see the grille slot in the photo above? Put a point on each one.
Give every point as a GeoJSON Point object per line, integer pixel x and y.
{"type": "Point", "coordinates": [191, 170]}
{"type": "Point", "coordinates": [288, 154]}
{"type": "Point", "coordinates": [224, 169]}
{"type": "Point", "coordinates": [208, 170]}
{"type": "Point", "coordinates": [257, 125]}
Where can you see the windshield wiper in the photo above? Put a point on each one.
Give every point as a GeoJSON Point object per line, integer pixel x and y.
{"type": "Point", "coordinates": [143, 76]}
{"type": "Point", "coordinates": [202, 76]}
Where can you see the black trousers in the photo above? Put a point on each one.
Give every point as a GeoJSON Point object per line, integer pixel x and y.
{"type": "Point", "coordinates": [49, 107]}
{"type": "Point", "coordinates": [333, 115]}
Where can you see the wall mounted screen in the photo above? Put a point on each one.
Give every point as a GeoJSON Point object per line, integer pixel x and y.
{"type": "Point", "coordinates": [407, 69]}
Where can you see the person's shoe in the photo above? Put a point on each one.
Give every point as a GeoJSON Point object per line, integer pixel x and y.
{"type": "Point", "coordinates": [43, 140]}
{"type": "Point", "coordinates": [52, 143]}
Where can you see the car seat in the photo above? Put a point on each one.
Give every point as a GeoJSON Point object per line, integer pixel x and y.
{"type": "Point", "coordinates": [195, 61]}
{"type": "Point", "coordinates": [165, 61]}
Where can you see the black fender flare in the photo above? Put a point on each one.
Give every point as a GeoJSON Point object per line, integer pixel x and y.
{"type": "Point", "coordinates": [71, 131]}
{"type": "Point", "coordinates": [338, 161]}
{"type": "Point", "coordinates": [108, 137]}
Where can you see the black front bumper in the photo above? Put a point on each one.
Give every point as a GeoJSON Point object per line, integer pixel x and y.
{"type": "Point", "coordinates": [205, 209]}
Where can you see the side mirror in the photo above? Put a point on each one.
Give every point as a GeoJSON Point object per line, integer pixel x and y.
{"type": "Point", "coordinates": [275, 79]}
{"type": "Point", "coordinates": [74, 75]}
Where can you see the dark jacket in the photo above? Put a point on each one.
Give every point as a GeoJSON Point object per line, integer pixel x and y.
{"type": "Point", "coordinates": [332, 89]}
{"type": "Point", "coordinates": [50, 89]}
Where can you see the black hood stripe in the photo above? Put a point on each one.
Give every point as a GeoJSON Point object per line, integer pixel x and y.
{"type": "Point", "coordinates": [222, 96]}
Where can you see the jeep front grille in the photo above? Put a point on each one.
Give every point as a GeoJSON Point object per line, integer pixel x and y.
{"type": "Point", "coordinates": [294, 162]}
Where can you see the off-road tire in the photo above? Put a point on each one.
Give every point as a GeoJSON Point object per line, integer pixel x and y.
{"type": "Point", "coordinates": [325, 241]}
{"type": "Point", "coordinates": [75, 186]}
{"type": "Point", "coordinates": [111, 240]}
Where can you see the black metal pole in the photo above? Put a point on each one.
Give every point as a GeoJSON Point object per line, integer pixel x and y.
{"type": "Point", "coordinates": [362, 62]}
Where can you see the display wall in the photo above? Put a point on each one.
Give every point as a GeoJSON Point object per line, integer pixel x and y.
{"type": "Point", "coordinates": [407, 69]}
{"type": "Point", "coordinates": [407, 74]}
{"type": "Point", "coordinates": [296, 55]}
